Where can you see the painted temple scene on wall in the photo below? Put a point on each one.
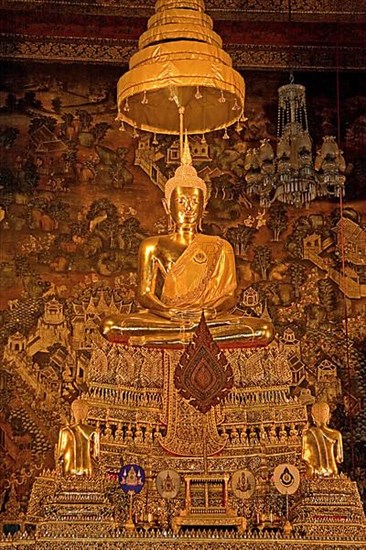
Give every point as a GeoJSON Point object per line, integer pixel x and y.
{"type": "Point", "coordinates": [81, 193]}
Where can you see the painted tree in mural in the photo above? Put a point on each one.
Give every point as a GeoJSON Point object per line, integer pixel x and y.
{"type": "Point", "coordinates": [86, 119]}
{"type": "Point", "coordinates": [29, 101]}
{"type": "Point", "coordinates": [56, 104]}
{"type": "Point", "coordinates": [11, 102]}
{"type": "Point", "coordinates": [99, 131]}
{"type": "Point", "coordinates": [297, 274]}
{"type": "Point", "coordinates": [118, 172]}
{"type": "Point", "coordinates": [240, 237]}
{"type": "Point", "coordinates": [27, 177]}
{"type": "Point", "coordinates": [223, 186]}
{"type": "Point", "coordinates": [42, 121]}
{"type": "Point", "coordinates": [294, 242]}
{"type": "Point", "coordinates": [103, 220]}
{"type": "Point", "coordinates": [132, 234]}
{"type": "Point", "coordinates": [33, 284]}
{"type": "Point", "coordinates": [328, 298]}
{"type": "Point", "coordinates": [7, 179]}
{"type": "Point", "coordinates": [8, 136]}
{"type": "Point", "coordinates": [262, 261]}
{"type": "Point", "coordinates": [277, 220]}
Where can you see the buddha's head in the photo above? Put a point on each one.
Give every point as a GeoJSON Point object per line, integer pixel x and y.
{"type": "Point", "coordinates": [321, 413]}
{"type": "Point", "coordinates": [79, 409]}
{"type": "Point", "coordinates": [186, 194]}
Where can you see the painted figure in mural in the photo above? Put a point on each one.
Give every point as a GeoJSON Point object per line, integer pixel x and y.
{"type": "Point", "coordinates": [184, 273]}
{"type": "Point", "coordinates": [78, 443]}
{"type": "Point", "coordinates": [321, 446]}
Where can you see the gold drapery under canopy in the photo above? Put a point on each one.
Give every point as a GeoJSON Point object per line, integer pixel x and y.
{"type": "Point", "coordinates": [180, 68]}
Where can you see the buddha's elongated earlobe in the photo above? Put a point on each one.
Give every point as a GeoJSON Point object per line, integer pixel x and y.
{"type": "Point", "coordinates": [171, 224]}
{"type": "Point", "coordinates": [201, 219]}
{"type": "Point", "coordinates": [166, 206]}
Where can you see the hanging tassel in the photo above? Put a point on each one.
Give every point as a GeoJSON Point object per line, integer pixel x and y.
{"type": "Point", "coordinates": [221, 98]}
{"type": "Point", "coordinates": [198, 94]}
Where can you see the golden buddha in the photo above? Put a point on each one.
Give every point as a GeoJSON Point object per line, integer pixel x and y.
{"type": "Point", "coordinates": [185, 273]}
{"type": "Point", "coordinates": [78, 443]}
{"type": "Point", "coordinates": [321, 446]}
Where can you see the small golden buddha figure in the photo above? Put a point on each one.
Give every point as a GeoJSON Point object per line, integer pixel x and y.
{"type": "Point", "coordinates": [78, 442]}
{"type": "Point", "coordinates": [184, 273]}
{"type": "Point", "coordinates": [322, 447]}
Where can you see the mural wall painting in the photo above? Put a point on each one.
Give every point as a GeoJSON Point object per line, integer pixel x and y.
{"type": "Point", "coordinates": [77, 197]}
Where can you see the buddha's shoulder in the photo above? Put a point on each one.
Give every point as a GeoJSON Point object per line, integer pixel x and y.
{"type": "Point", "coordinates": [155, 243]}
{"type": "Point", "coordinates": [151, 241]}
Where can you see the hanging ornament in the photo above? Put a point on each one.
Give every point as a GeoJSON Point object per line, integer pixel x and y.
{"type": "Point", "coordinates": [235, 107]}
{"type": "Point", "coordinates": [222, 98]}
{"type": "Point", "coordinates": [135, 133]}
{"type": "Point", "coordinates": [238, 127]}
{"type": "Point", "coordinates": [155, 141]}
{"type": "Point", "coordinates": [198, 94]}
{"type": "Point", "coordinates": [226, 135]}
{"type": "Point", "coordinates": [126, 108]}
{"type": "Point", "coordinates": [203, 139]}
{"type": "Point", "coordinates": [173, 94]}
{"type": "Point", "coordinates": [122, 127]}
{"type": "Point", "coordinates": [144, 99]}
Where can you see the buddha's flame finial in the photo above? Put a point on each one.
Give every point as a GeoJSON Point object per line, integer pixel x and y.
{"type": "Point", "coordinates": [186, 159]}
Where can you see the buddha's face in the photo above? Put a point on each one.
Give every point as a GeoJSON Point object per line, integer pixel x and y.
{"type": "Point", "coordinates": [186, 205]}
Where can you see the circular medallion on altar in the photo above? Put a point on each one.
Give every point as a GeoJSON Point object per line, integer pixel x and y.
{"type": "Point", "coordinates": [131, 478]}
{"type": "Point", "coordinates": [243, 484]}
{"type": "Point", "coordinates": [168, 483]}
{"type": "Point", "coordinates": [286, 478]}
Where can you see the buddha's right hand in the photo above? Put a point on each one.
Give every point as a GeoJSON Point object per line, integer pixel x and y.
{"type": "Point", "coordinates": [187, 317]}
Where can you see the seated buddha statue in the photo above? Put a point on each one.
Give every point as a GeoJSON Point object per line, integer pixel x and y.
{"type": "Point", "coordinates": [184, 273]}
{"type": "Point", "coordinates": [321, 446]}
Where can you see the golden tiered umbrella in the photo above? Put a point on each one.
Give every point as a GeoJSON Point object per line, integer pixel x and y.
{"type": "Point", "coordinates": [180, 77]}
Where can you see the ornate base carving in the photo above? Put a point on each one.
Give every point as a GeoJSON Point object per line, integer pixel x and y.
{"type": "Point", "coordinates": [75, 503]}
{"type": "Point", "coordinates": [330, 508]}
{"type": "Point", "coordinates": [201, 510]}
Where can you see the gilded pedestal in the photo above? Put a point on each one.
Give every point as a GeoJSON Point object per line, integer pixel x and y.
{"type": "Point", "coordinates": [329, 508]}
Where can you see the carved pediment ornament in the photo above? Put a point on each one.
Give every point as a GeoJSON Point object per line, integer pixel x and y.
{"type": "Point", "coordinates": [203, 375]}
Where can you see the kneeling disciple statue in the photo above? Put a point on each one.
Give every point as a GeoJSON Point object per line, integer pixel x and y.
{"type": "Point", "coordinates": [321, 446]}
{"type": "Point", "coordinates": [185, 273]}
{"type": "Point", "coordinates": [78, 443]}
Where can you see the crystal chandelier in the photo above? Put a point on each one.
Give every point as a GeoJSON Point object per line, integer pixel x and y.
{"type": "Point", "coordinates": [290, 176]}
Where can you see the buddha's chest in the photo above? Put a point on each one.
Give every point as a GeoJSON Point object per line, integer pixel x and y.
{"type": "Point", "coordinates": [168, 252]}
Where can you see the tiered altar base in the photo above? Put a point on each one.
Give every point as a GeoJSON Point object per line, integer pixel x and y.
{"type": "Point", "coordinates": [142, 419]}
{"type": "Point", "coordinates": [329, 508]}
{"type": "Point", "coordinates": [71, 507]}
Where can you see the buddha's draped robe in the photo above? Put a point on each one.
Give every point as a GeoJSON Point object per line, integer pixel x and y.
{"type": "Point", "coordinates": [322, 449]}
{"type": "Point", "coordinates": [202, 276]}
{"type": "Point", "coordinates": [76, 445]}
